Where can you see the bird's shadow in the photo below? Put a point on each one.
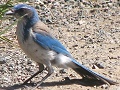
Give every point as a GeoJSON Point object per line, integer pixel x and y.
{"type": "Point", "coordinates": [83, 82]}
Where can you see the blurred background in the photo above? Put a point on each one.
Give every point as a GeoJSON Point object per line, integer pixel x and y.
{"type": "Point", "coordinates": [90, 30]}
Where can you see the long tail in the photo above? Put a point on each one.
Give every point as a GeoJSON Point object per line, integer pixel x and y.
{"type": "Point", "coordinates": [87, 73]}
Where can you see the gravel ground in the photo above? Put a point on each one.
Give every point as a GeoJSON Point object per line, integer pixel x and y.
{"type": "Point", "coordinates": [89, 30]}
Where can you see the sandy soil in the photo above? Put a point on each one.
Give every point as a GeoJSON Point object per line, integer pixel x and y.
{"type": "Point", "coordinates": [90, 32]}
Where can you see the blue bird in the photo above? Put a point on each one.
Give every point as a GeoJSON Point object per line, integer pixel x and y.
{"type": "Point", "coordinates": [36, 41]}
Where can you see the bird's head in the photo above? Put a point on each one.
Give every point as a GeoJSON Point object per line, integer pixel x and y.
{"type": "Point", "coordinates": [24, 10]}
{"type": "Point", "coordinates": [27, 17]}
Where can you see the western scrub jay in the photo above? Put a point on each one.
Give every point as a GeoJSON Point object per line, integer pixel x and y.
{"type": "Point", "coordinates": [36, 41]}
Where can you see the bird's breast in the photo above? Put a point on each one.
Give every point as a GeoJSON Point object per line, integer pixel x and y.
{"type": "Point", "coordinates": [33, 49]}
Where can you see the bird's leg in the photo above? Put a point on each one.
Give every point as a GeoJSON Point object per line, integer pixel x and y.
{"type": "Point", "coordinates": [50, 71]}
{"type": "Point", "coordinates": [41, 68]}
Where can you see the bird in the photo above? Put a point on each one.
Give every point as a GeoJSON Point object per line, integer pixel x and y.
{"type": "Point", "coordinates": [40, 45]}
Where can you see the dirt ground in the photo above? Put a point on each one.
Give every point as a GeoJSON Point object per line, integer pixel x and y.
{"type": "Point", "coordinates": [89, 30]}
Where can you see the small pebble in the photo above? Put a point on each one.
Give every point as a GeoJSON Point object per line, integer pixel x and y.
{"type": "Point", "coordinates": [94, 67]}
{"type": "Point", "coordinates": [63, 71]}
{"type": "Point", "coordinates": [72, 75]}
{"type": "Point", "coordinates": [105, 86]}
{"type": "Point", "coordinates": [49, 21]}
{"type": "Point", "coordinates": [67, 78]}
{"type": "Point", "coordinates": [2, 60]}
{"type": "Point", "coordinates": [100, 66]}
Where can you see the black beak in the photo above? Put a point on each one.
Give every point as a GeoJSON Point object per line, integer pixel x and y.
{"type": "Point", "coordinates": [9, 12]}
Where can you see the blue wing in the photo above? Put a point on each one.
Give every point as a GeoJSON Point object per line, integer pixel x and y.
{"type": "Point", "coordinates": [48, 42]}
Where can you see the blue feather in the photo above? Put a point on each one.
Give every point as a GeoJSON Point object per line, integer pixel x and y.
{"type": "Point", "coordinates": [48, 42]}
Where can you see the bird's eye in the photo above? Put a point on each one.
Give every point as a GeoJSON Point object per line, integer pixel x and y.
{"type": "Point", "coordinates": [20, 12]}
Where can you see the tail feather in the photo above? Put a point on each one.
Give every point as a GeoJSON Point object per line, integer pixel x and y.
{"type": "Point", "coordinates": [87, 73]}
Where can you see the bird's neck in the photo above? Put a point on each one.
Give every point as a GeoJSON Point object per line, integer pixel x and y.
{"type": "Point", "coordinates": [30, 22]}
{"type": "Point", "coordinates": [27, 24]}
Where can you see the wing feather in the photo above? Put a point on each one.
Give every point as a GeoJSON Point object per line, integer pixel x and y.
{"type": "Point", "coordinates": [44, 39]}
